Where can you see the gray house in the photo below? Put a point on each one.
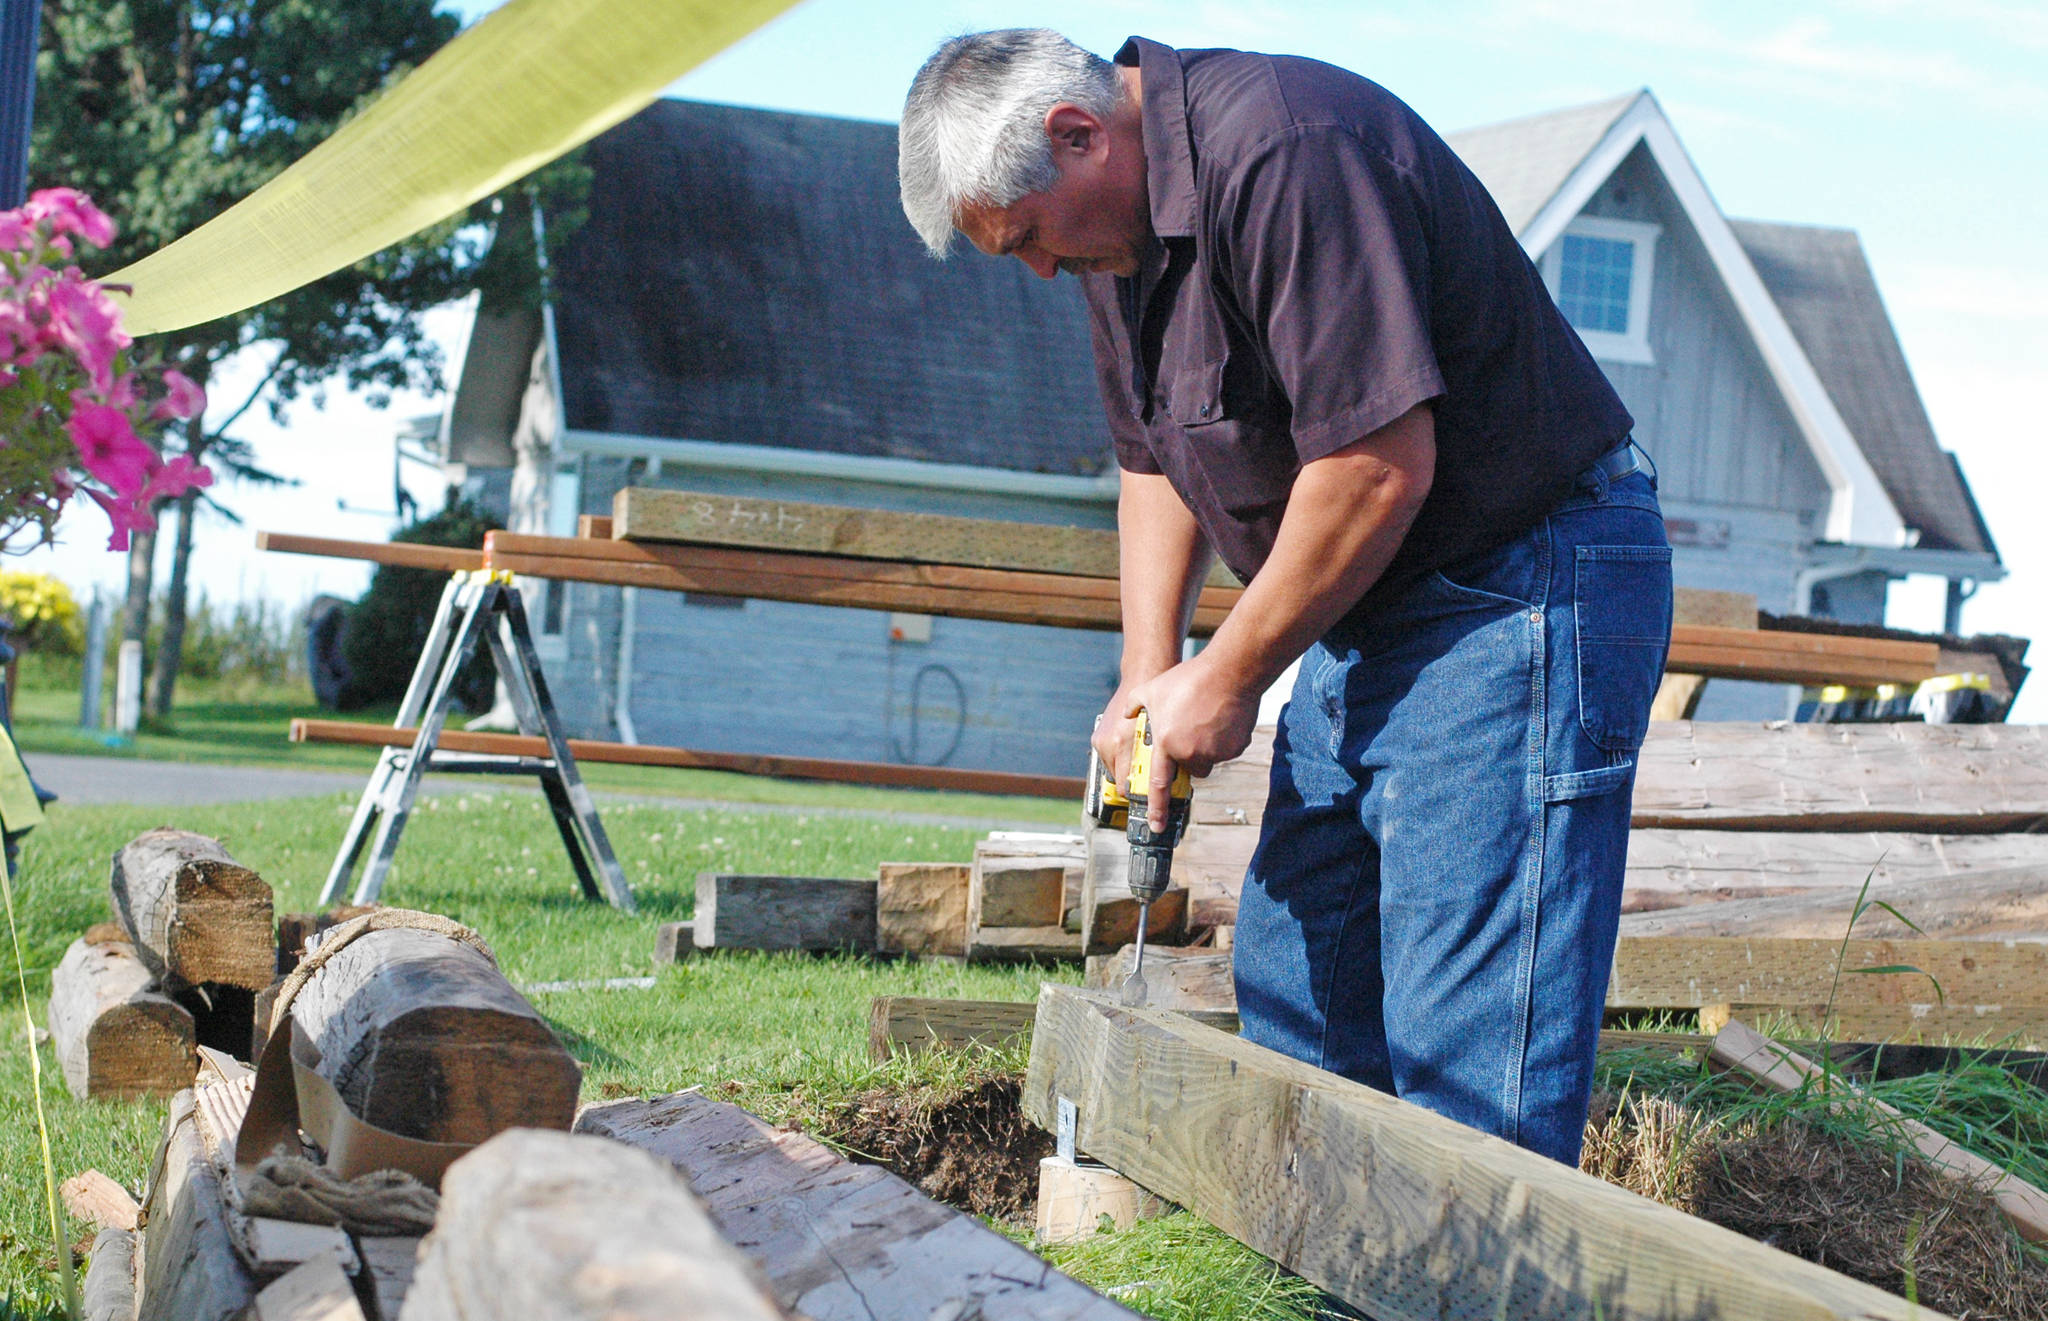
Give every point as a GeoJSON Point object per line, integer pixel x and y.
{"type": "Point", "coordinates": [746, 312]}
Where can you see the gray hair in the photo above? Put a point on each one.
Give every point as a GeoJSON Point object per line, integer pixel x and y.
{"type": "Point", "coordinates": [974, 123]}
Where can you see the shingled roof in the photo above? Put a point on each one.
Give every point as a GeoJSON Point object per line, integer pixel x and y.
{"type": "Point", "coordinates": [1822, 282]}
{"type": "Point", "coordinates": [747, 277]}
{"type": "Point", "coordinates": [1523, 162]}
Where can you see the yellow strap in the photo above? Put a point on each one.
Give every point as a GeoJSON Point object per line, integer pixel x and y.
{"type": "Point", "coordinates": [529, 82]}
{"type": "Point", "coordinates": [20, 809]}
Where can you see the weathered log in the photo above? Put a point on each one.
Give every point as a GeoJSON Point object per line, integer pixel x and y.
{"type": "Point", "coordinates": [840, 1241]}
{"type": "Point", "coordinates": [783, 912]}
{"type": "Point", "coordinates": [189, 1268]}
{"type": "Point", "coordinates": [99, 1201]}
{"type": "Point", "coordinates": [921, 907]}
{"type": "Point", "coordinates": [422, 1036]}
{"type": "Point", "coordinates": [296, 930]}
{"type": "Point", "coordinates": [109, 1293]}
{"type": "Point", "coordinates": [195, 914]}
{"type": "Point", "coordinates": [576, 1229]}
{"type": "Point", "coordinates": [114, 1033]}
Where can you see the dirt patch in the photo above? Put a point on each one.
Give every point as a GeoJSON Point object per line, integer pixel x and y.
{"type": "Point", "coordinates": [1851, 1206]}
{"type": "Point", "coordinates": [969, 1147]}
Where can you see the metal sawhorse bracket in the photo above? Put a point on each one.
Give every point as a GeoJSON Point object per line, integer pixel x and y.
{"type": "Point", "coordinates": [476, 607]}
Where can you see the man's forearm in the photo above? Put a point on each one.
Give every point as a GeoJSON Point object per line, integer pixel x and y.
{"type": "Point", "coordinates": [1163, 559]}
{"type": "Point", "coordinates": [1346, 518]}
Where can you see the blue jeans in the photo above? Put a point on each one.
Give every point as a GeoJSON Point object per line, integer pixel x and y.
{"type": "Point", "coordinates": [1433, 904]}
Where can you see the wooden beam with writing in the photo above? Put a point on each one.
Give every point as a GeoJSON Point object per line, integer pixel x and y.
{"type": "Point", "coordinates": [1400, 1212]}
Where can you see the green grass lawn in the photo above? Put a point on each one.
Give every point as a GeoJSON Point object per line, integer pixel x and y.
{"type": "Point", "coordinates": [788, 1029]}
{"type": "Point", "coordinates": [247, 725]}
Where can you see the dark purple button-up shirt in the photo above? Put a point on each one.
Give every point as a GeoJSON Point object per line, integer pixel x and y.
{"type": "Point", "coordinates": [1327, 263]}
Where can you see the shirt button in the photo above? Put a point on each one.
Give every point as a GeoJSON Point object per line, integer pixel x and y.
{"type": "Point", "coordinates": [1203, 410]}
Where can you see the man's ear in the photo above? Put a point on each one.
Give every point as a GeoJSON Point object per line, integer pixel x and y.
{"type": "Point", "coordinates": [1073, 129]}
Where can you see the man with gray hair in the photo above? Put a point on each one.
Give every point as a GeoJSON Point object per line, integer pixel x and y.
{"type": "Point", "coordinates": [1325, 358]}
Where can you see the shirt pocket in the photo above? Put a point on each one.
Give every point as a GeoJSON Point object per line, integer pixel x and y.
{"type": "Point", "coordinates": [1248, 464]}
{"type": "Point", "coordinates": [1622, 599]}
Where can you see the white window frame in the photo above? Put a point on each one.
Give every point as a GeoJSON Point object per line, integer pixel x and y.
{"type": "Point", "coordinates": [1633, 344]}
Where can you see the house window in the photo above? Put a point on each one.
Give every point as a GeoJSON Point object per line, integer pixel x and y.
{"type": "Point", "coordinates": [1599, 272]}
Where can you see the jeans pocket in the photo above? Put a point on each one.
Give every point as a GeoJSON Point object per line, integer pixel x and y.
{"type": "Point", "coordinates": [1622, 596]}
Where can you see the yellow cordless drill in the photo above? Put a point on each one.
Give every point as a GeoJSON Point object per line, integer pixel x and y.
{"type": "Point", "coordinates": [1113, 805]}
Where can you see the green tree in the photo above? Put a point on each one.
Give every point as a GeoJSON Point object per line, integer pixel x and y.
{"type": "Point", "coordinates": [169, 111]}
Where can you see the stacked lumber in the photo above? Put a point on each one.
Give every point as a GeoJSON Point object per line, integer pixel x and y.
{"type": "Point", "coordinates": [180, 966]}
{"type": "Point", "coordinates": [1021, 888]}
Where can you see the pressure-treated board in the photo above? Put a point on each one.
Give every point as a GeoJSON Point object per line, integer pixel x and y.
{"type": "Point", "coordinates": [917, 1023]}
{"type": "Point", "coordinates": [748, 763]}
{"type": "Point", "coordinates": [840, 1241]}
{"type": "Point", "coordinates": [783, 912]}
{"type": "Point", "coordinates": [701, 518]}
{"type": "Point", "coordinates": [1680, 972]}
{"type": "Point", "coordinates": [2001, 905]}
{"type": "Point", "coordinates": [1398, 1211]}
{"type": "Point", "coordinates": [574, 1228]}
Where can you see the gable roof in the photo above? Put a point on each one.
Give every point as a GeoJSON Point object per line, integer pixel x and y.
{"type": "Point", "coordinates": [1822, 282]}
{"type": "Point", "coordinates": [1532, 160]}
{"type": "Point", "coordinates": [746, 277]}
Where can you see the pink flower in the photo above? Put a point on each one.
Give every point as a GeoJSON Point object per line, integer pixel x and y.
{"type": "Point", "coordinates": [17, 231]}
{"type": "Point", "coordinates": [69, 211]}
{"type": "Point", "coordinates": [127, 516]}
{"type": "Point", "coordinates": [184, 400]}
{"type": "Point", "coordinates": [175, 478]}
{"type": "Point", "coordinates": [85, 320]}
{"type": "Point", "coordinates": [108, 447]}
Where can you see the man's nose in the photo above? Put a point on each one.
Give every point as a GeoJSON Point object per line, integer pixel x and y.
{"type": "Point", "coordinates": [1042, 263]}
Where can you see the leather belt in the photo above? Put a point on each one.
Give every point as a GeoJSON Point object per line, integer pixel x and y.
{"type": "Point", "coordinates": [1612, 466]}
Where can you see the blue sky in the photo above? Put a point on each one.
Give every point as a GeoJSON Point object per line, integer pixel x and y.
{"type": "Point", "coordinates": [1923, 127]}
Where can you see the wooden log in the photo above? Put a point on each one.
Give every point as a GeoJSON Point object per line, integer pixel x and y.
{"type": "Point", "coordinates": [673, 942]}
{"type": "Point", "coordinates": [109, 1292]}
{"type": "Point", "coordinates": [422, 1036]}
{"type": "Point", "coordinates": [574, 1228]}
{"type": "Point", "coordinates": [921, 907]}
{"type": "Point", "coordinates": [189, 1268]}
{"type": "Point", "coordinates": [114, 1034]}
{"type": "Point", "coordinates": [1782, 1069]}
{"type": "Point", "coordinates": [1400, 1212]}
{"type": "Point", "coordinates": [297, 930]}
{"type": "Point", "coordinates": [840, 1241]}
{"type": "Point", "coordinates": [745, 763]}
{"type": "Point", "coordinates": [701, 518]}
{"type": "Point", "coordinates": [1074, 1199]}
{"type": "Point", "coordinates": [1930, 1023]}
{"type": "Point", "coordinates": [1050, 944]}
{"type": "Point", "coordinates": [314, 1290]}
{"type": "Point", "coordinates": [1998, 905]}
{"type": "Point", "coordinates": [99, 1201]}
{"type": "Point", "coordinates": [440, 559]}
{"type": "Point", "coordinates": [195, 914]}
{"type": "Point", "coordinates": [783, 912]}
{"type": "Point", "coordinates": [1674, 868]}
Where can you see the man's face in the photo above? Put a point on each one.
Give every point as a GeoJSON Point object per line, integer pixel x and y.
{"type": "Point", "coordinates": [1082, 223]}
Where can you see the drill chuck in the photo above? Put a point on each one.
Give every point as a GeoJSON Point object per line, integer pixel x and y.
{"type": "Point", "coordinates": [1151, 870]}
